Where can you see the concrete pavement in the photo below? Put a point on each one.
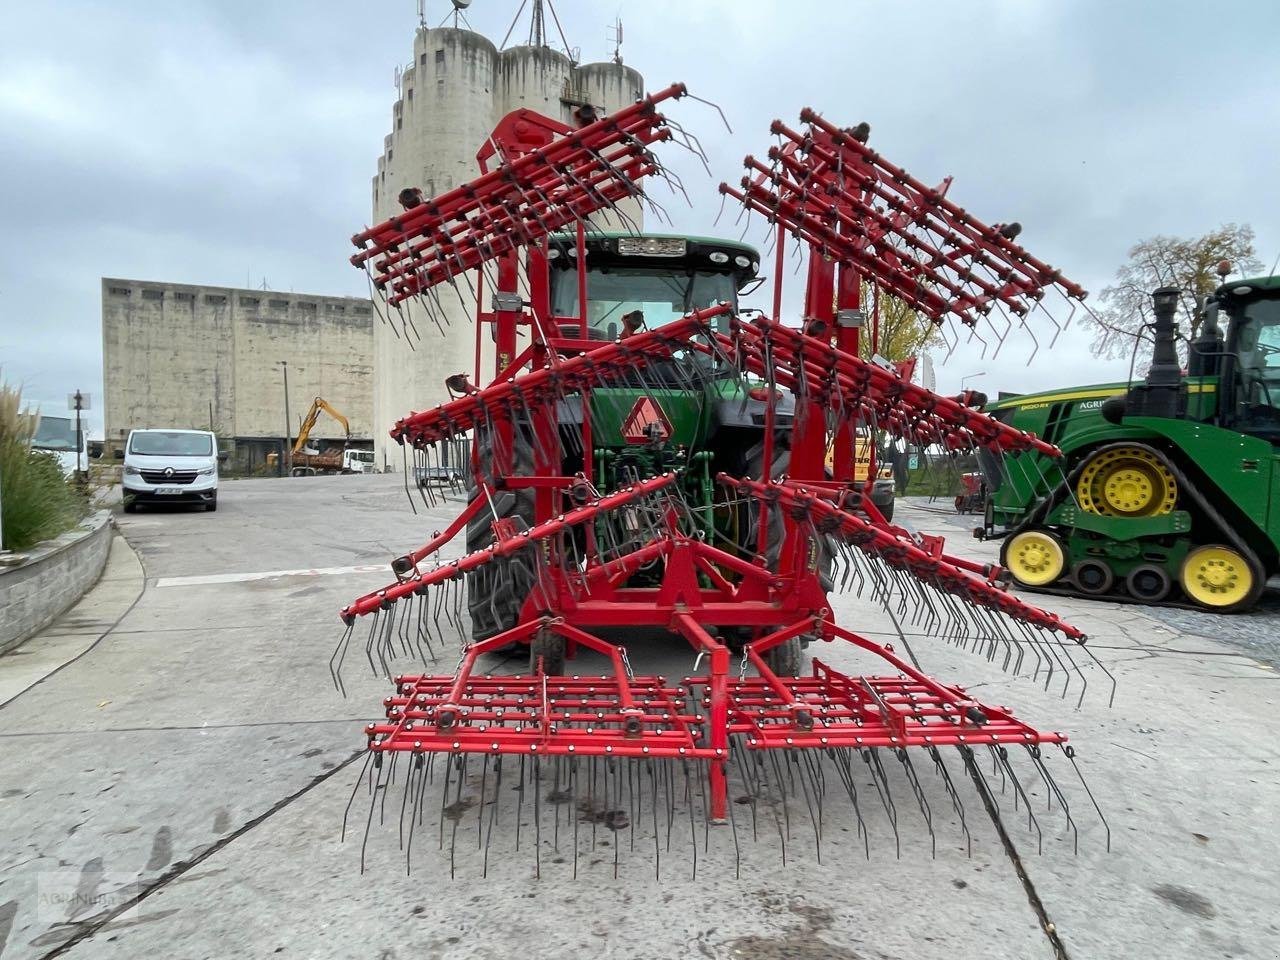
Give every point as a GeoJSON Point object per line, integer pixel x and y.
{"type": "Point", "coordinates": [195, 764]}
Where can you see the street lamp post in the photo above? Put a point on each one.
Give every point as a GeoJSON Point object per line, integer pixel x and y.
{"type": "Point", "coordinates": [972, 376]}
{"type": "Point", "coordinates": [287, 459]}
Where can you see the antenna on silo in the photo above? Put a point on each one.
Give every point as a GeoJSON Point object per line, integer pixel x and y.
{"type": "Point", "coordinates": [458, 15]}
{"type": "Point", "coordinates": [616, 30]}
{"type": "Point", "coordinates": [422, 13]}
{"type": "Point", "coordinates": [537, 26]}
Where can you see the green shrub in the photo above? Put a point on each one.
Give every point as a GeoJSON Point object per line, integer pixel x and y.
{"type": "Point", "coordinates": [37, 501]}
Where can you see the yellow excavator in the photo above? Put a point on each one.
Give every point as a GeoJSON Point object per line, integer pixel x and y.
{"type": "Point", "coordinates": [305, 462]}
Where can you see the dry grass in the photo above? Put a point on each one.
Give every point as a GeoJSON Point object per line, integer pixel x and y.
{"type": "Point", "coordinates": [36, 500]}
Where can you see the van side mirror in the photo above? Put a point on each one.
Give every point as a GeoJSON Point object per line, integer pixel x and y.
{"type": "Point", "coordinates": [119, 453]}
{"type": "Point", "coordinates": [223, 456]}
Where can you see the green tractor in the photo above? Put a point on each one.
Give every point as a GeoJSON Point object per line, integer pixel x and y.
{"type": "Point", "coordinates": [691, 414]}
{"type": "Point", "coordinates": [1169, 488]}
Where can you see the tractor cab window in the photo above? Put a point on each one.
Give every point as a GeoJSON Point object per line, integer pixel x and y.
{"type": "Point", "coordinates": [1257, 374]}
{"type": "Point", "coordinates": [622, 300]}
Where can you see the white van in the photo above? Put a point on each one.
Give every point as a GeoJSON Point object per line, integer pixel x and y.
{"type": "Point", "coordinates": [170, 466]}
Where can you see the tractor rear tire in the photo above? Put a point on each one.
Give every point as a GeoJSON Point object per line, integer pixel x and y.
{"type": "Point", "coordinates": [753, 468]}
{"type": "Point", "coordinates": [549, 648]}
{"type": "Point", "coordinates": [786, 659]}
{"type": "Point", "coordinates": [497, 590]}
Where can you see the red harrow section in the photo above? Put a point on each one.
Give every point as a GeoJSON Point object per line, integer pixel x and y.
{"type": "Point", "coordinates": [752, 739]}
{"type": "Point", "coordinates": [826, 187]}
{"type": "Point", "coordinates": [548, 177]}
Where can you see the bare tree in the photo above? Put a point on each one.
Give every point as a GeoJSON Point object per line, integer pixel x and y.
{"type": "Point", "coordinates": [1187, 263]}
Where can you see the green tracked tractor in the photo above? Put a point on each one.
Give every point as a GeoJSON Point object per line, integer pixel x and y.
{"type": "Point", "coordinates": [687, 415]}
{"type": "Point", "coordinates": [1169, 489]}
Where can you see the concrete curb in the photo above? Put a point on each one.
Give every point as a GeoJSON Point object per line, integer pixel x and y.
{"type": "Point", "coordinates": [55, 575]}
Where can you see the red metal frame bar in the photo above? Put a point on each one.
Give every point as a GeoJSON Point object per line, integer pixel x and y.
{"type": "Point", "coordinates": [898, 550]}
{"type": "Point", "coordinates": [380, 599]}
{"type": "Point", "coordinates": [827, 187]}
{"type": "Point", "coordinates": [548, 383]}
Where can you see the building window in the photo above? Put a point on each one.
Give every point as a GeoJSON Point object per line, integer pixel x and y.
{"type": "Point", "coordinates": [399, 125]}
{"type": "Point", "coordinates": [249, 301]}
{"type": "Point", "coordinates": [337, 308]}
{"type": "Point", "coordinates": [119, 291]}
{"type": "Point", "coordinates": [409, 94]}
{"type": "Point", "coordinates": [214, 299]}
{"type": "Point", "coordinates": [440, 58]}
{"type": "Point", "coordinates": [152, 294]}
{"type": "Point", "coordinates": [362, 311]}
{"type": "Point", "coordinates": [278, 304]}
{"type": "Point", "coordinates": [422, 59]}
{"type": "Point", "coordinates": [184, 297]}
{"type": "Point", "coordinates": [304, 305]}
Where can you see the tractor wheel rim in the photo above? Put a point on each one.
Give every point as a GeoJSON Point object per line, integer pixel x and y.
{"type": "Point", "coordinates": [1128, 482]}
{"type": "Point", "coordinates": [1217, 576]}
{"type": "Point", "coordinates": [1035, 559]}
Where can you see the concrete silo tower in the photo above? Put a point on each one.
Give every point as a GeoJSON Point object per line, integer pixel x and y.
{"type": "Point", "coordinates": [451, 96]}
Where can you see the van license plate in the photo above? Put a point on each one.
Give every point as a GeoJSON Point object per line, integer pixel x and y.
{"type": "Point", "coordinates": [163, 491]}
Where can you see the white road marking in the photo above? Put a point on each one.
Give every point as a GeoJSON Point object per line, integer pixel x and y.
{"type": "Point", "coordinates": [270, 575]}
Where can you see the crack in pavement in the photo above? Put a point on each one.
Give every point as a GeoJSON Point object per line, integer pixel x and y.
{"type": "Point", "coordinates": [1033, 898]}
{"type": "Point", "coordinates": [90, 926]}
{"type": "Point", "coordinates": [177, 727]}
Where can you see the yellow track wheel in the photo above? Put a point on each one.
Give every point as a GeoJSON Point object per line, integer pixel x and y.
{"type": "Point", "coordinates": [1217, 576]}
{"type": "Point", "coordinates": [1034, 557]}
{"type": "Point", "coordinates": [1126, 482]}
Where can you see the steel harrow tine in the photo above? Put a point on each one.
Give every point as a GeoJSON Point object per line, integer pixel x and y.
{"type": "Point", "coordinates": [602, 792]}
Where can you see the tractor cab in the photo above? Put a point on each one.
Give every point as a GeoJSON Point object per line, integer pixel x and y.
{"type": "Point", "coordinates": [1247, 360]}
{"type": "Point", "coordinates": [637, 283]}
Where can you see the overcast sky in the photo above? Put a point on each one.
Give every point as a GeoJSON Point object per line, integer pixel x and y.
{"type": "Point", "coordinates": [232, 142]}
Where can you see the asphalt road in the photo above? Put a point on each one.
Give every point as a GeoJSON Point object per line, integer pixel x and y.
{"type": "Point", "coordinates": [176, 765]}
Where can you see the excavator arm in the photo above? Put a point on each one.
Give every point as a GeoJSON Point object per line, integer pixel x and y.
{"type": "Point", "coordinates": [312, 416]}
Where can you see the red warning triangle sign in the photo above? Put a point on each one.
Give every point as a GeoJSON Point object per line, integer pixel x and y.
{"type": "Point", "coordinates": [646, 422]}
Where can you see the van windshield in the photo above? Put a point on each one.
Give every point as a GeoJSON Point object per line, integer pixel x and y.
{"type": "Point", "coordinates": [171, 443]}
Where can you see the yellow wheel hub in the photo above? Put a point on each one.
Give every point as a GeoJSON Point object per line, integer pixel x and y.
{"type": "Point", "coordinates": [1216, 576]}
{"type": "Point", "coordinates": [1126, 482]}
{"type": "Point", "coordinates": [1034, 558]}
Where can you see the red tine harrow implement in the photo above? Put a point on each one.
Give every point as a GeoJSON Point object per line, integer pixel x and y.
{"type": "Point", "coordinates": [670, 478]}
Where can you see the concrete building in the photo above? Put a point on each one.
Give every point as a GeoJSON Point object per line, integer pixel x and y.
{"type": "Point", "coordinates": [453, 93]}
{"type": "Point", "coordinates": [184, 356]}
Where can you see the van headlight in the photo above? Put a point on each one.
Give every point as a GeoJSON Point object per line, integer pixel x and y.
{"type": "Point", "coordinates": [131, 471]}
{"type": "Point", "coordinates": [207, 472]}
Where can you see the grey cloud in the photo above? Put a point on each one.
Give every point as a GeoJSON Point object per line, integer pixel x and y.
{"type": "Point", "coordinates": [199, 141]}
